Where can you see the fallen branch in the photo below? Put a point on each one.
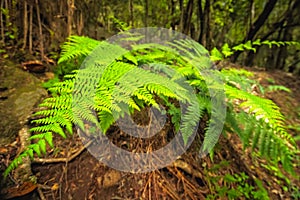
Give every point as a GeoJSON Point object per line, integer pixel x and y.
{"type": "Point", "coordinates": [58, 160]}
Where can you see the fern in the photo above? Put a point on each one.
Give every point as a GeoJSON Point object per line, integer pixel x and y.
{"type": "Point", "coordinates": [272, 88]}
{"type": "Point", "coordinates": [77, 46]}
{"type": "Point", "coordinates": [113, 82]}
{"type": "Point", "coordinates": [259, 122]}
{"type": "Point", "coordinates": [226, 51]}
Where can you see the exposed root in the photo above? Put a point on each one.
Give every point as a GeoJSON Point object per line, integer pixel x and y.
{"type": "Point", "coordinates": [23, 173]}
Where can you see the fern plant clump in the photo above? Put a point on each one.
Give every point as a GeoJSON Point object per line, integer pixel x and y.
{"type": "Point", "coordinates": [112, 84]}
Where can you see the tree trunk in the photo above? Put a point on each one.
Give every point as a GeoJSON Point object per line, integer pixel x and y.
{"type": "Point", "coordinates": [146, 12]}
{"type": "Point", "coordinates": [261, 19]}
{"type": "Point", "coordinates": [25, 24]}
{"type": "Point", "coordinates": [188, 17]}
{"type": "Point", "coordinates": [282, 24]}
{"type": "Point", "coordinates": [257, 24]}
{"type": "Point", "coordinates": [131, 13]}
{"type": "Point", "coordinates": [2, 24]}
{"type": "Point", "coordinates": [41, 37]}
{"type": "Point", "coordinates": [206, 27]}
{"type": "Point", "coordinates": [201, 19]}
{"type": "Point", "coordinates": [173, 23]}
{"type": "Point", "coordinates": [30, 28]}
{"type": "Point", "coordinates": [71, 7]}
{"type": "Point", "coordinates": [252, 13]}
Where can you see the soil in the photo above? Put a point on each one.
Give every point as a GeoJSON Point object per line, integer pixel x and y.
{"type": "Point", "coordinates": [84, 177]}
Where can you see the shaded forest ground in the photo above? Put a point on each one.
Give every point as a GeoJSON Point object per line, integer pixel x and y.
{"type": "Point", "coordinates": [83, 177]}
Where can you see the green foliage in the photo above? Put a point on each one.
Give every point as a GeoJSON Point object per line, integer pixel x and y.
{"type": "Point", "coordinates": [122, 26]}
{"type": "Point", "coordinates": [272, 88]}
{"type": "Point", "coordinates": [295, 194]}
{"type": "Point", "coordinates": [50, 83]}
{"type": "Point", "coordinates": [259, 124]}
{"type": "Point", "coordinates": [122, 83]}
{"type": "Point", "coordinates": [226, 51]}
{"type": "Point", "coordinates": [236, 186]}
{"type": "Point", "coordinates": [76, 47]}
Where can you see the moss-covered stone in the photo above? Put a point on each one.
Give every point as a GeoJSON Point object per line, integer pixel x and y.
{"type": "Point", "coordinates": [21, 92]}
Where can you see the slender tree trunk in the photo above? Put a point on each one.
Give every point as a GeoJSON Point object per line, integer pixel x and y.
{"type": "Point", "coordinates": [258, 24]}
{"type": "Point", "coordinates": [288, 14]}
{"type": "Point", "coordinates": [2, 24]}
{"type": "Point", "coordinates": [131, 13]}
{"type": "Point", "coordinates": [80, 23]}
{"type": "Point", "coordinates": [207, 30]}
{"type": "Point", "coordinates": [261, 19]}
{"type": "Point", "coordinates": [188, 17]}
{"type": "Point", "coordinates": [252, 13]}
{"type": "Point", "coordinates": [181, 7]}
{"type": "Point", "coordinates": [30, 28]}
{"type": "Point", "coordinates": [201, 18]}
{"type": "Point", "coordinates": [282, 52]}
{"type": "Point", "coordinates": [282, 24]}
{"type": "Point", "coordinates": [205, 24]}
{"type": "Point", "coordinates": [25, 24]}
{"type": "Point", "coordinates": [71, 7]}
{"type": "Point", "coordinates": [173, 23]}
{"type": "Point", "coordinates": [146, 12]}
{"type": "Point", "coordinates": [41, 37]}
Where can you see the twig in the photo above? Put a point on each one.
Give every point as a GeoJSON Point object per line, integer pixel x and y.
{"type": "Point", "coordinates": [41, 194]}
{"type": "Point", "coordinates": [187, 168]}
{"type": "Point", "coordinates": [58, 160]}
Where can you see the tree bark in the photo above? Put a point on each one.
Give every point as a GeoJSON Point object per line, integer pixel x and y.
{"type": "Point", "coordinates": [188, 17]}
{"type": "Point", "coordinates": [173, 23]}
{"type": "Point", "coordinates": [207, 26]}
{"type": "Point", "coordinates": [257, 24]}
{"type": "Point", "coordinates": [2, 24]}
{"type": "Point", "coordinates": [131, 12]}
{"type": "Point", "coordinates": [25, 24]}
{"type": "Point", "coordinates": [41, 37]}
{"type": "Point", "coordinates": [201, 19]}
{"type": "Point", "coordinates": [252, 13]}
{"type": "Point", "coordinates": [30, 28]}
{"type": "Point", "coordinates": [181, 7]}
{"type": "Point", "coordinates": [261, 19]}
{"type": "Point", "coordinates": [146, 12]}
{"type": "Point", "coordinates": [281, 25]}
{"type": "Point", "coordinates": [71, 7]}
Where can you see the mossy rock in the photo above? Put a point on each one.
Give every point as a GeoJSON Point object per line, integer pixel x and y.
{"type": "Point", "coordinates": [20, 93]}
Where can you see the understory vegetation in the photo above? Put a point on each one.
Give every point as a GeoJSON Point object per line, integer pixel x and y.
{"type": "Point", "coordinates": [257, 121]}
{"type": "Point", "coordinates": [225, 88]}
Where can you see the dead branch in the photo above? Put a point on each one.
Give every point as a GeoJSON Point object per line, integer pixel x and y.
{"type": "Point", "coordinates": [58, 160]}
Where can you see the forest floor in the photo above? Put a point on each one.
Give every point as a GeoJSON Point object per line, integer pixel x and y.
{"type": "Point", "coordinates": [83, 177]}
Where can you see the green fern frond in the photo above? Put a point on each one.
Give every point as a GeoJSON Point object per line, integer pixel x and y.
{"type": "Point", "coordinates": [106, 120]}
{"type": "Point", "coordinates": [66, 86]}
{"type": "Point", "coordinates": [47, 136]}
{"type": "Point", "coordinates": [272, 88]}
{"type": "Point", "coordinates": [77, 46]}
{"type": "Point", "coordinates": [63, 120]}
{"type": "Point", "coordinates": [191, 118]}
{"type": "Point", "coordinates": [17, 161]}
{"type": "Point", "coordinates": [261, 108]}
{"type": "Point", "coordinates": [55, 102]}
{"type": "Point", "coordinates": [55, 127]}
{"type": "Point", "coordinates": [259, 135]}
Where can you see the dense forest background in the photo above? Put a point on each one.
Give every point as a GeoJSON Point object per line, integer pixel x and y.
{"type": "Point", "coordinates": [39, 27]}
{"type": "Point", "coordinates": [257, 46]}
